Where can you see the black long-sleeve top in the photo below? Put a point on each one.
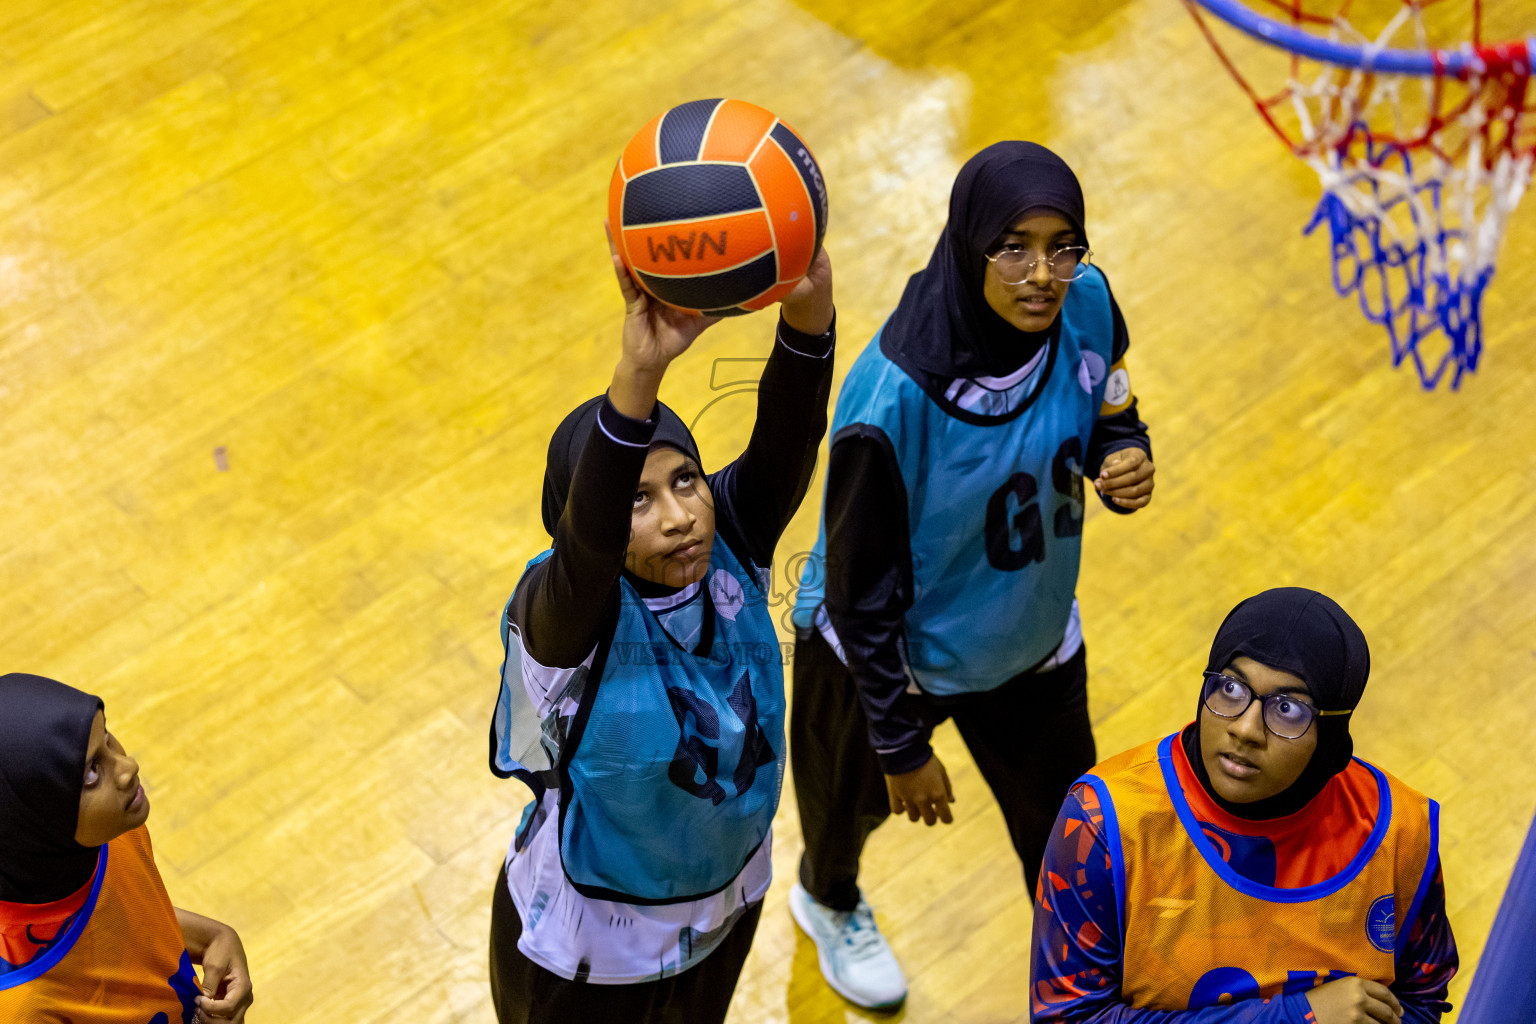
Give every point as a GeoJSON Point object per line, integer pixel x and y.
{"type": "Point", "coordinates": [560, 604]}
{"type": "Point", "coordinates": [869, 565]}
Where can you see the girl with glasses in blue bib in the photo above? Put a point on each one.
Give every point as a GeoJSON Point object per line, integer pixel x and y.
{"type": "Point", "coordinates": [942, 583]}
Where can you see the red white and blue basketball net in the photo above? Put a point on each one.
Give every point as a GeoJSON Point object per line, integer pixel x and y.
{"type": "Point", "coordinates": [1422, 153]}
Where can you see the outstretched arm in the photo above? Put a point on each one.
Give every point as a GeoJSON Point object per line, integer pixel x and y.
{"type": "Point", "coordinates": [759, 492]}
{"type": "Point", "coordinates": [560, 604]}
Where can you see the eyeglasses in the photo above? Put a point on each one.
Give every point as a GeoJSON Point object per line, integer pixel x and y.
{"type": "Point", "coordinates": [1284, 715]}
{"type": "Point", "coordinates": [1015, 263]}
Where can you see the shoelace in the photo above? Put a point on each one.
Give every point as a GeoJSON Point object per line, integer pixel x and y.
{"type": "Point", "coordinates": [859, 934]}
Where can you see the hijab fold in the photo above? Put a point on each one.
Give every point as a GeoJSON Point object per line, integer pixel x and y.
{"type": "Point", "coordinates": [943, 325]}
{"type": "Point", "coordinates": [1308, 635]}
{"type": "Point", "coordinates": [570, 438]}
{"type": "Point", "coordinates": [45, 733]}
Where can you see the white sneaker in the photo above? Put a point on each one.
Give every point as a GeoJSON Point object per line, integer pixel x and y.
{"type": "Point", "coordinates": [855, 958]}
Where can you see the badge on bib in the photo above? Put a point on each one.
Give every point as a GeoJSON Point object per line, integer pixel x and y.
{"type": "Point", "coordinates": [1379, 921]}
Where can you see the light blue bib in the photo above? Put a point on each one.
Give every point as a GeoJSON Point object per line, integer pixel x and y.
{"type": "Point", "coordinates": [669, 771]}
{"type": "Point", "coordinates": [994, 505]}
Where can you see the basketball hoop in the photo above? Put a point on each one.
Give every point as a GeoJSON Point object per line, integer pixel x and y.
{"type": "Point", "coordinates": [1423, 152]}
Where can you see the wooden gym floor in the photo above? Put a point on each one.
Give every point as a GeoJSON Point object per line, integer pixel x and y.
{"type": "Point", "coordinates": [292, 294]}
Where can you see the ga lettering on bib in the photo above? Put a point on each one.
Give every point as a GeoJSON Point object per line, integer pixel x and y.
{"type": "Point", "coordinates": [670, 768]}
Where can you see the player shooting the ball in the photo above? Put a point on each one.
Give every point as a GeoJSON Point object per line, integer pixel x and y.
{"type": "Point", "coordinates": [643, 693]}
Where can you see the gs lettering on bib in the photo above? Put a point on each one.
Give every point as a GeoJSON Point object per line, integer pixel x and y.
{"type": "Point", "coordinates": [994, 503]}
{"type": "Point", "coordinates": [1198, 934]}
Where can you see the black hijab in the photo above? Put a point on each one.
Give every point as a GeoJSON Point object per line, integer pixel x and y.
{"type": "Point", "coordinates": [45, 732]}
{"type": "Point", "coordinates": [943, 325]}
{"type": "Point", "coordinates": [571, 436]}
{"type": "Point", "coordinates": [1308, 635]}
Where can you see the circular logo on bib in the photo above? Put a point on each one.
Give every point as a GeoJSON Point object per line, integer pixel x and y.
{"type": "Point", "coordinates": [1378, 923]}
{"type": "Point", "coordinates": [1118, 390]}
{"type": "Point", "coordinates": [1090, 371]}
{"type": "Point", "coordinates": [726, 590]}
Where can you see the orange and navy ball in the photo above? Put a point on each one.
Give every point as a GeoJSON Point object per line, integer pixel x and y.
{"type": "Point", "coordinates": [717, 207]}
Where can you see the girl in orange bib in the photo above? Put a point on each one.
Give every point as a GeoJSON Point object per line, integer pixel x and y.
{"type": "Point", "coordinates": [1248, 869]}
{"type": "Point", "coordinates": [87, 932]}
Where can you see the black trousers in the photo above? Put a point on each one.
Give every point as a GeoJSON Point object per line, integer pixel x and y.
{"type": "Point", "coordinates": [525, 993]}
{"type": "Point", "coordinates": [1031, 738]}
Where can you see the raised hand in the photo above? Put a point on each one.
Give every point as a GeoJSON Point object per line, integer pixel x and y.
{"type": "Point", "coordinates": [808, 309]}
{"type": "Point", "coordinates": [654, 332]}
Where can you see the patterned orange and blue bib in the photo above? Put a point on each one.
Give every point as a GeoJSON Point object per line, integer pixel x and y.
{"type": "Point", "coordinates": [1196, 933]}
{"type": "Point", "coordinates": [119, 959]}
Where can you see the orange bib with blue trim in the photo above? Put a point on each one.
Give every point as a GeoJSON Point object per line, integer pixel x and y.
{"type": "Point", "coordinates": [1195, 933]}
{"type": "Point", "coordinates": [120, 959]}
